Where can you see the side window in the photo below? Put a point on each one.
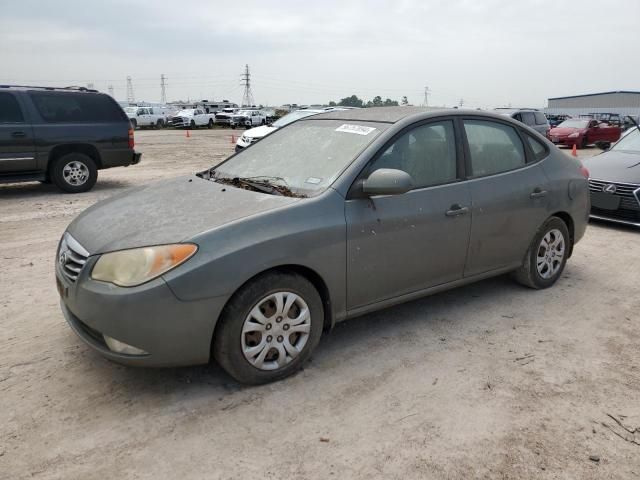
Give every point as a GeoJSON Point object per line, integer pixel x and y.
{"type": "Point", "coordinates": [528, 118]}
{"type": "Point", "coordinates": [539, 150]}
{"type": "Point", "coordinates": [10, 111]}
{"type": "Point", "coordinates": [494, 147]}
{"type": "Point", "coordinates": [76, 107]}
{"type": "Point", "coordinates": [540, 118]}
{"type": "Point", "coordinates": [427, 153]}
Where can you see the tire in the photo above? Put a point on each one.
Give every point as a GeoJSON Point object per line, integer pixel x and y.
{"type": "Point", "coordinates": [583, 143]}
{"type": "Point", "coordinates": [160, 124]}
{"type": "Point", "coordinates": [210, 124]}
{"type": "Point", "coordinates": [233, 126]}
{"type": "Point", "coordinates": [74, 173]}
{"type": "Point", "coordinates": [230, 343]}
{"type": "Point", "coordinates": [553, 231]}
{"type": "Point", "coordinates": [192, 125]}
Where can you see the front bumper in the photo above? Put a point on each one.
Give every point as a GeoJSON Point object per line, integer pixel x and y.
{"type": "Point", "coordinates": [565, 141]}
{"type": "Point", "coordinates": [149, 317]}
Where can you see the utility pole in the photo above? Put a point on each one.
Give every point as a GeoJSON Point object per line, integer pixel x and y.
{"type": "Point", "coordinates": [163, 90]}
{"type": "Point", "coordinates": [247, 97]}
{"type": "Point", "coordinates": [130, 96]}
{"type": "Point", "coordinates": [110, 89]}
{"type": "Point", "coordinates": [427, 92]}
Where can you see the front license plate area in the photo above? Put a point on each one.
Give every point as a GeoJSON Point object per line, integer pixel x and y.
{"type": "Point", "coordinates": [605, 201]}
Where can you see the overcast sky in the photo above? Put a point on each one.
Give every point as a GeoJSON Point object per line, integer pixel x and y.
{"type": "Point", "coordinates": [487, 52]}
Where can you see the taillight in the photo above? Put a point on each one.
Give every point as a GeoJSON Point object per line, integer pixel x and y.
{"type": "Point", "coordinates": [584, 171]}
{"type": "Point", "coordinates": [132, 142]}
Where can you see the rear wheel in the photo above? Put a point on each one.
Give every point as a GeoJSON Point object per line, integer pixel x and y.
{"type": "Point", "coordinates": [160, 124]}
{"type": "Point", "coordinates": [547, 255]}
{"type": "Point", "coordinates": [210, 124]}
{"type": "Point", "coordinates": [74, 173]}
{"type": "Point", "coordinates": [269, 328]}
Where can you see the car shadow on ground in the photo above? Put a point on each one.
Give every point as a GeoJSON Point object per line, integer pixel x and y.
{"type": "Point", "coordinates": [345, 344]}
{"type": "Point", "coordinates": [17, 191]}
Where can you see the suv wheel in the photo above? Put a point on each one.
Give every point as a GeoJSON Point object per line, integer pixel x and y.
{"type": "Point", "coordinates": [192, 125]}
{"type": "Point", "coordinates": [160, 124]}
{"type": "Point", "coordinates": [547, 255]}
{"type": "Point", "coordinates": [74, 173]}
{"type": "Point", "coordinates": [210, 124]}
{"type": "Point", "coordinates": [269, 328]}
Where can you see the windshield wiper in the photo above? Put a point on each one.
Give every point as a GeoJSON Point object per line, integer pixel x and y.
{"type": "Point", "coordinates": [263, 184]}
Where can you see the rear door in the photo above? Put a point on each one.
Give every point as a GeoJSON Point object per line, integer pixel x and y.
{"type": "Point", "coordinates": [509, 196]}
{"type": "Point", "coordinates": [17, 145]}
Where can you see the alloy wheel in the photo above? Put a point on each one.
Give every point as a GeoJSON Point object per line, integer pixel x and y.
{"type": "Point", "coordinates": [75, 173]}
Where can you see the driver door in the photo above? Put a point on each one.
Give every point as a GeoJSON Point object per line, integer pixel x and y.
{"type": "Point", "coordinates": [399, 244]}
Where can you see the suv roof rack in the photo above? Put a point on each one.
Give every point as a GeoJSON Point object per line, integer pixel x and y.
{"type": "Point", "coordinates": [72, 87]}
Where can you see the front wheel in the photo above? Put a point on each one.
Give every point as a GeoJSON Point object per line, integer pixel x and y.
{"type": "Point", "coordinates": [546, 257]}
{"type": "Point", "coordinates": [269, 328]}
{"type": "Point", "coordinates": [74, 173]}
{"type": "Point", "coordinates": [192, 125]}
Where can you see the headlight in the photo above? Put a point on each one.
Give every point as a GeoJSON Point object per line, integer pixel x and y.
{"type": "Point", "coordinates": [128, 268]}
{"type": "Point", "coordinates": [574, 135]}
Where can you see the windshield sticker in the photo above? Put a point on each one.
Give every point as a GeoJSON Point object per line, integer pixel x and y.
{"type": "Point", "coordinates": [357, 129]}
{"type": "Point", "coordinates": [313, 180]}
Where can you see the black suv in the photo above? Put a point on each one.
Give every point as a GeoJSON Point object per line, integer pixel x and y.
{"type": "Point", "coordinates": [62, 135]}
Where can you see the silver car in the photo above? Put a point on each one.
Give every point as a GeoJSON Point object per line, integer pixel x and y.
{"type": "Point", "coordinates": [330, 217]}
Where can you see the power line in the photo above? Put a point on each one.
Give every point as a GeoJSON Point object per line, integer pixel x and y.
{"type": "Point", "coordinates": [130, 96]}
{"type": "Point", "coordinates": [247, 97]}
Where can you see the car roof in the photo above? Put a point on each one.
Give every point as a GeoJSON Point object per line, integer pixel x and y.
{"type": "Point", "coordinates": [50, 89]}
{"type": "Point", "coordinates": [381, 114]}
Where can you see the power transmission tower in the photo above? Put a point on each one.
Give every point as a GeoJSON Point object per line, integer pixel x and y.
{"type": "Point", "coordinates": [130, 96]}
{"type": "Point", "coordinates": [427, 92]}
{"type": "Point", "coordinates": [461, 103]}
{"type": "Point", "coordinates": [163, 91]}
{"type": "Point", "coordinates": [247, 97]}
{"type": "Point", "coordinates": [90, 86]}
{"type": "Point", "coordinates": [110, 89]}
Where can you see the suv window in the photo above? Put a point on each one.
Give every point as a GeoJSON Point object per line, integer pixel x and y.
{"type": "Point", "coordinates": [539, 150]}
{"type": "Point", "coordinates": [76, 107]}
{"type": "Point", "coordinates": [528, 118]}
{"type": "Point", "coordinates": [494, 147]}
{"type": "Point", "coordinates": [540, 118]}
{"type": "Point", "coordinates": [10, 111]}
{"type": "Point", "coordinates": [427, 153]}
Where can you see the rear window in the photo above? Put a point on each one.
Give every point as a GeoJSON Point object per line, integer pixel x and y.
{"type": "Point", "coordinates": [540, 118]}
{"type": "Point", "coordinates": [528, 118]}
{"type": "Point", "coordinates": [10, 111]}
{"type": "Point", "coordinates": [76, 107]}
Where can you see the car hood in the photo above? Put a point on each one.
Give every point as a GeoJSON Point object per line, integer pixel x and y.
{"type": "Point", "coordinates": [561, 132]}
{"type": "Point", "coordinates": [259, 132]}
{"type": "Point", "coordinates": [614, 167]}
{"type": "Point", "coordinates": [167, 212]}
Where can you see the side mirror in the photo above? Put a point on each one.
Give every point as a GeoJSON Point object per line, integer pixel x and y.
{"type": "Point", "coordinates": [387, 181]}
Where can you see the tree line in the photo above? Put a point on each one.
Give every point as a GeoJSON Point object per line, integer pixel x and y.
{"type": "Point", "coordinates": [354, 101]}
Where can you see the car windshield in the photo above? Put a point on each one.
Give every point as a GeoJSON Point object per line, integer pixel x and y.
{"type": "Point", "coordinates": [292, 117]}
{"type": "Point", "coordinates": [306, 157]}
{"type": "Point", "coordinates": [131, 109]}
{"type": "Point", "coordinates": [629, 143]}
{"type": "Point", "coordinates": [574, 124]}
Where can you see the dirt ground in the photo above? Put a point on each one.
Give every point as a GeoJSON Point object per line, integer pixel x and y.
{"type": "Point", "coordinates": [490, 380]}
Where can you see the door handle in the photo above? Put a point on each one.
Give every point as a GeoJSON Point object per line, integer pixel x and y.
{"type": "Point", "coordinates": [538, 193]}
{"type": "Point", "coordinates": [18, 134]}
{"type": "Point", "coordinates": [456, 210]}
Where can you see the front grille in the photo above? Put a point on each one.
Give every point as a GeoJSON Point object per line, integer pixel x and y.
{"type": "Point", "coordinates": [71, 257]}
{"type": "Point", "coordinates": [627, 192]}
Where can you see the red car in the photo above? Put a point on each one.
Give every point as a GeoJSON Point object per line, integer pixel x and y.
{"type": "Point", "coordinates": [583, 132]}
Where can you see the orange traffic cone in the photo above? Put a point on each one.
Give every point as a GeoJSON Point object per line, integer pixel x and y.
{"type": "Point", "coordinates": [188, 134]}
{"type": "Point", "coordinates": [574, 150]}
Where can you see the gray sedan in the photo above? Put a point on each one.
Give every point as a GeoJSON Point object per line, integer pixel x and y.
{"type": "Point", "coordinates": [333, 216]}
